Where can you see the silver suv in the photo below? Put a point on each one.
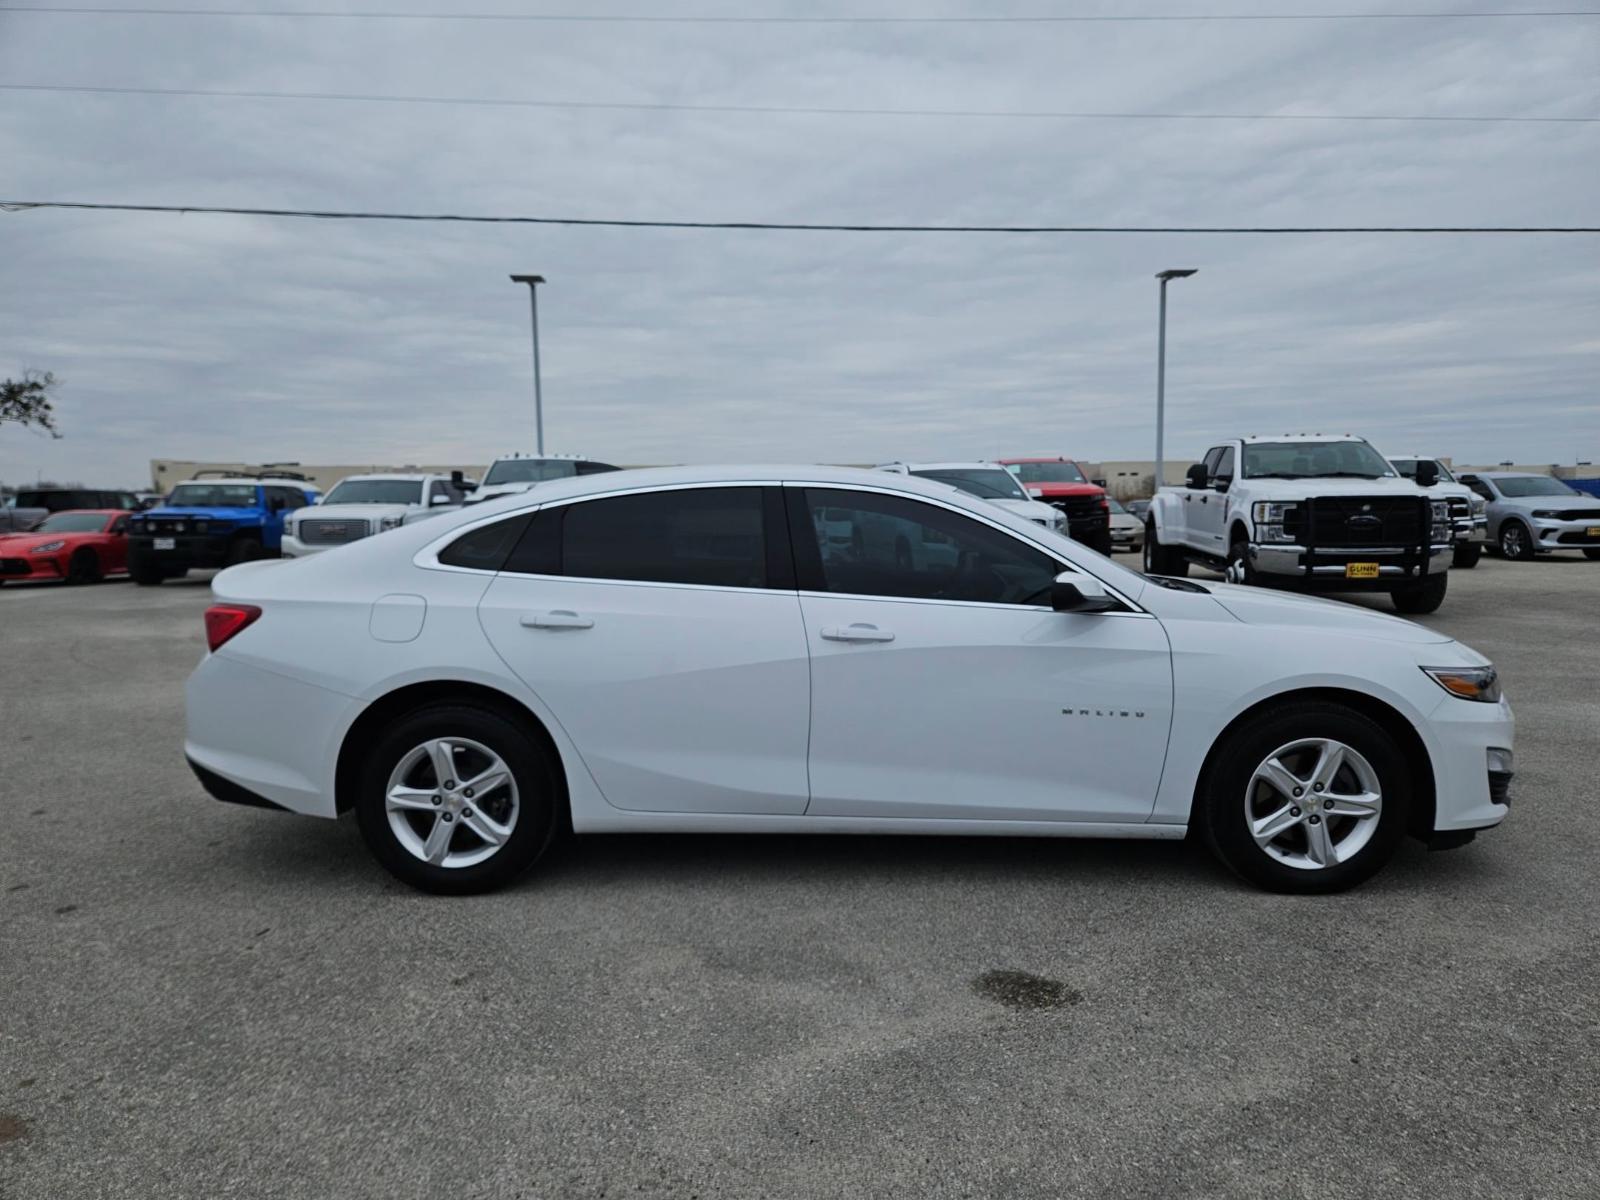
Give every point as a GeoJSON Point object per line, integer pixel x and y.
{"type": "Point", "coordinates": [1536, 514]}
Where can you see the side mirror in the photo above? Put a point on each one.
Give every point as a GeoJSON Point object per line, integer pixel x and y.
{"type": "Point", "coordinates": [1427, 474]}
{"type": "Point", "coordinates": [436, 501]}
{"type": "Point", "coordinates": [461, 483]}
{"type": "Point", "coordinates": [1072, 592]}
{"type": "Point", "coordinates": [1195, 477]}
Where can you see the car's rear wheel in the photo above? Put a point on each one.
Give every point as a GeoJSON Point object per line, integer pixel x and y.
{"type": "Point", "coordinates": [1239, 568]}
{"type": "Point", "coordinates": [83, 566]}
{"type": "Point", "coordinates": [1425, 597]}
{"type": "Point", "coordinates": [458, 799]}
{"type": "Point", "coordinates": [1310, 798]}
{"type": "Point", "coordinates": [1159, 559]}
{"type": "Point", "coordinates": [243, 550]}
{"type": "Point", "coordinates": [1515, 541]}
{"type": "Point", "coordinates": [1466, 555]}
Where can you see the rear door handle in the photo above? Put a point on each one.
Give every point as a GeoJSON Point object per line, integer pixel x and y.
{"type": "Point", "coordinates": [557, 618]}
{"type": "Point", "coordinates": [857, 633]}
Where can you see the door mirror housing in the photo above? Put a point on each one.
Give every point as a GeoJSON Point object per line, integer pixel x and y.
{"type": "Point", "coordinates": [1222, 483]}
{"type": "Point", "coordinates": [1427, 474]}
{"type": "Point", "coordinates": [1072, 592]}
{"type": "Point", "coordinates": [435, 501]}
{"type": "Point", "coordinates": [1195, 477]}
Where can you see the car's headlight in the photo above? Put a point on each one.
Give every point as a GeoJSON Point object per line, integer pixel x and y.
{"type": "Point", "coordinates": [1546, 513]}
{"type": "Point", "coordinates": [1468, 683]}
{"type": "Point", "coordinates": [1479, 505]}
{"type": "Point", "coordinates": [390, 523]}
{"type": "Point", "coordinates": [1441, 512]}
{"type": "Point", "coordinates": [1273, 512]}
{"type": "Point", "coordinates": [48, 547]}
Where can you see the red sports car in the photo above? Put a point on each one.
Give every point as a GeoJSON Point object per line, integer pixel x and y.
{"type": "Point", "coordinates": [79, 545]}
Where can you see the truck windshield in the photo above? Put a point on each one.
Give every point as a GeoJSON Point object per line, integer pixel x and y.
{"type": "Point", "coordinates": [1047, 472]}
{"type": "Point", "coordinates": [376, 491]}
{"type": "Point", "coordinates": [991, 484]}
{"type": "Point", "coordinates": [1408, 468]}
{"type": "Point", "coordinates": [213, 495]}
{"type": "Point", "coordinates": [1533, 485]}
{"type": "Point", "coordinates": [530, 470]}
{"type": "Point", "coordinates": [1314, 460]}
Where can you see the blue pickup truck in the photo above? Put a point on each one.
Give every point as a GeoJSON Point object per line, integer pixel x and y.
{"type": "Point", "coordinates": [216, 519]}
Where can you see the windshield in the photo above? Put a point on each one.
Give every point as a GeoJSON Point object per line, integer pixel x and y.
{"type": "Point", "coordinates": [1408, 468]}
{"type": "Point", "coordinates": [213, 495]}
{"type": "Point", "coordinates": [376, 491]}
{"type": "Point", "coordinates": [1047, 472]}
{"type": "Point", "coordinates": [990, 483]}
{"type": "Point", "coordinates": [1314, 460]}
{"type": "Point", "coordinates": [72, 522]}
{"type": "Point", "coordinates": [530, 470]}
{"type": "Point", "coordinates": [1533, 485]}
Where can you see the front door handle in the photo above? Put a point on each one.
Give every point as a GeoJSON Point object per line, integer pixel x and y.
{"type": "Point", "coordinates": [857, 633]}
{"type": "Point", "coordinates": [557, 618]}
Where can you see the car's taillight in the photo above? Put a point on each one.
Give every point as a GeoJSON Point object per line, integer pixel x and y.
{"type": "Point", "coordinates": [225, 620]}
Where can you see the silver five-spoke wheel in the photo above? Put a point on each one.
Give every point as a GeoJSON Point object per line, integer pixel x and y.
{"type": "Point", "coordinates": [451, 802]}
{"type": "Point", "coordinates": [1313, 803]}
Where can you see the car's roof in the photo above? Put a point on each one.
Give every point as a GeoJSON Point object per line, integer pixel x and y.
{"type": "Point", "coordinates": [1511, 475]}
{"type": "Point", "coordinates": [1438, 458]}
{"type": "Point", "coordinates": [251, 481]}
{"type": "Point", "coordinates": [1045, 458]}
{"type": "Point", "coordinates": [99, 512]}
{"type": "Point", "coordinates": [1301, 437]}
{"type": "Point", "coordinates": [398, 476]}
{"type": "Point", "coordinates": [974, 465]}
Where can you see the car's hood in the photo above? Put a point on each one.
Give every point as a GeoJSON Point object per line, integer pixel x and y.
{"type": "Point", "coordinates": [1064, 489]}
{"type": "Point", "coordinates": [1316, 486]}
{"type": "Point", "coordinates": [12, 540]}
{"type": "Point", "coordinates": [209, 514]}
{"type": "Point", "coordinates": [1255, 606]}
{"type": "Point", "coordinates": [1126, 521]}
{"type": "Point", "coordinates": [1031, 509]}
{"type": "Point", "coordinates": [1554, 503]}
{"type": "Point", "coordinates": [352, 512]}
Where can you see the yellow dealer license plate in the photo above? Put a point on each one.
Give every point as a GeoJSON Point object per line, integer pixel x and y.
{"type": "Point", "coordinates": [1594, 531]}
{"type": "Point", "coordinates": [1361, 570]}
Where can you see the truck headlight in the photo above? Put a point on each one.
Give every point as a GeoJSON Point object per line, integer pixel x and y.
{"type": "Point", "coordinates": [1273, 533]}
{"type": "Point", "coordinates": [1272, 512]}
{"type": "Point", "coordinates": [390, 523]}
{"type": "Point", "coordinates": [1468, 683]}
{"type": "Point", "coordinates": [1479, 506]}
{"type": "Point", "coordinates": [1441, 513]}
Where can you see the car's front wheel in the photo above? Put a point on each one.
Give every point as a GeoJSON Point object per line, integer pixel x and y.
{"type": "Point", "coordinates": [1516, 542]}
{"type": "Point", "coordinates": [1311, 797]}
{"type": "Point", "coordinates": [458, 799]}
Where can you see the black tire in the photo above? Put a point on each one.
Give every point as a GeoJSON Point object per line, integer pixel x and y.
{"type": "Point", "coordinates": [145, 574]}
{"type": "Point", "coordinates": [243, 550]}
{"type": "Point", "coordinates": [1592, 555]}
{"type": "Point", "coordinates": [84, 567]}
{"type": "Point", "coordinates": [1422, 597]}
{"type": "Point", "coordinates": [539, 782]}
{"type": "Point", "coordinates": [1159, 559]}
{"type": "Point", "coordinates": [1516, 541]}
{"type": "Point", "coordinates": [1239, 568]}
{"type": "Point", "coordinates": [1466, 556]}
{"type": "Point", "coordinates": [1224, 805]}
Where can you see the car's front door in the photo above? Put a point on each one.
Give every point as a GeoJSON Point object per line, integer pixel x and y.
{"type": "Point", "coordinates": [944, 686]}
{"type": "Point", "coordinates": [663, 631]}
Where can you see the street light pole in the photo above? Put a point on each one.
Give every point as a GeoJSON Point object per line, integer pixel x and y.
{"type": "Point", "coordinates": [533, 282]}
{"type": "Point", "coordinates": [1161, 371]}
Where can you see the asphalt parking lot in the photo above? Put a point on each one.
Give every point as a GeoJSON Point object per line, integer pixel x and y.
{"type": "Point", "coordinates": [198, 1000]}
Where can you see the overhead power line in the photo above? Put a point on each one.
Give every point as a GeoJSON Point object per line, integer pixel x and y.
{"type": "Point", "coordinates": [17, 206]}
{"type": "Point", "coordinates": [783, 109]}
{"type": "Point", "coordinates": [865, 19]}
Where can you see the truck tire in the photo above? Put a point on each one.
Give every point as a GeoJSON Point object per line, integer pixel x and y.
{"type": "Point", "coordinates": [1424, 597]}
{"type": "Point", "coordinates": [1239, 568]}
{"type": "Point", "coordinates": [243, 550]}
{"type": "Point", "coordinates": [145, 574]}
{"type": "Point", "coordinates": [1467, 555]}
{"type": "Point", "coordinates": [1516, 541]}
{"type": "Point", "coordinates": [1159, 559]}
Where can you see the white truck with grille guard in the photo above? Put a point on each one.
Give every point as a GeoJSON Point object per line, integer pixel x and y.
{"type": "Point", "coordinates": [362, 505]}
{"type": "Point", "coordinates": [1317, 511]}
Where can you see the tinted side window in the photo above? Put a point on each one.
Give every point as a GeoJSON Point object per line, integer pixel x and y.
{"type": "Point", "coordinates": [485, 548]}
{"type": "Point", "coordinates": [873, 544]}
{"type": "Point", "coordinates": [1224, 467]}
{"type": "Point", "coordinates": [587, 467]}
{"type": "Point", "coordinates": [709, 536]}
{"type": "Point", "coordinates": [1481, 488]}
{"type": "Point", "coordinates": [1213, 456]}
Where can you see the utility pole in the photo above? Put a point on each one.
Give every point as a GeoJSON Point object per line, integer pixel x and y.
{"type": "Point", "coordinates": [533, 282]}
{"type": "Point", "coordinates": [1165, 277]}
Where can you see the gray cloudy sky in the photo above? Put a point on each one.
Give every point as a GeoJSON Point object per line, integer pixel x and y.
{"type": "Point", "coordinates": [232, 337]}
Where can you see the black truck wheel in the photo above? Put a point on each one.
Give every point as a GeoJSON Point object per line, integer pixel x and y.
{"type": "Point", "coordinates": [1466, 555]}
{"type": "Point", "coordinates": [1159, 559]}
{"type": "Point", "coordinates": [1424, 597]}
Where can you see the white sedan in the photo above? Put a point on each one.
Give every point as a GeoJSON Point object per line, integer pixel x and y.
{"type": "Point", "coordinates": [715, 650]}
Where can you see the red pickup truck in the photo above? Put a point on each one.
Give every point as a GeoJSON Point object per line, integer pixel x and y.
{"type": "Point", "coordinates": [1062, 484]}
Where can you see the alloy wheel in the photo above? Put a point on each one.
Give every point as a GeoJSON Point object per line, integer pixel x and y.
{"type": "Point", "coordinates": [451, 802]}
{"type": "Point", "coordinates": [1313, 803]}
{"type": "Point", "coordinates": [1512, 540]}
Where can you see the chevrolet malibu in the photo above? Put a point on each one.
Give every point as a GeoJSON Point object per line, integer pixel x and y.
{"type": "Point", "coordinates": [736, 650]}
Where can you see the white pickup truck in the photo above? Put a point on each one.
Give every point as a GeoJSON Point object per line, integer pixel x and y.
{"type": "Point", "coordinates": [1323, 512]}
{"type": "Point", "coordinates": [362, 505]}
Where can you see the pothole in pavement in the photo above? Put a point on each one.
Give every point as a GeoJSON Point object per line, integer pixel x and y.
{"type": "Point", "coordinates": [1020, 990]}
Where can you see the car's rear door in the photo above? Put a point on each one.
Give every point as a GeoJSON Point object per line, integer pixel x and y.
{"type": "Point", "coordinates": [944, 686]}
{"type": "Point", "coordinates": [663, 630]}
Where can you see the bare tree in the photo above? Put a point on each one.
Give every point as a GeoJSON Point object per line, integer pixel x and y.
{"type": "Point", "coordinates": [26, 401]}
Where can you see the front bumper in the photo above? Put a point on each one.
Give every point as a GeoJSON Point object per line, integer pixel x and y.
{"type": "Point", "coordinates": [1473, 529]}
{"type": "Point", "coordinates": [185, 550]}
{"type": "Point", "coordinates": [1567, 535]}
{"type": "Point", "coordinates": [1470, 793]}
{"type": "Point", "coordinates": [20, 567]}
{"type": "Point", "coordinates": [1127, 539]}
{"type": "Point", "coordinates": [1326, 567]}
